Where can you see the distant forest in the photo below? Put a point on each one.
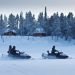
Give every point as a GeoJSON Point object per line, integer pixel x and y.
{"type": "Point", "coordinates": [58, 25]}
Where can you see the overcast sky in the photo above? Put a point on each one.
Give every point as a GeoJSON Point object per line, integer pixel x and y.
{"type": "Point", "coordinates": [36, 6]}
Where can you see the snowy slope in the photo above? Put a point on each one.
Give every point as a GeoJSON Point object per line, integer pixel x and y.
{"type": "Point", "coordinates": [36, 66]}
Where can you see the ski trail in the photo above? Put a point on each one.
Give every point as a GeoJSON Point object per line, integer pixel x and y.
{"type": "Point", "coordinates": [14, 67]}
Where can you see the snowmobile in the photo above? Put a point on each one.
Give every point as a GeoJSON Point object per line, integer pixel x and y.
{"type": "Point", "coordinates": [21, 55]}
{"type": "Point", "coordinates": [59, 55]}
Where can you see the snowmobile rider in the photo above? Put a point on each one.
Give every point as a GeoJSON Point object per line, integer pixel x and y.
{"type": "Point", "coordinates": [48, 52]}
{"type": "Point", "coordinates": [10, 47]}
{"type": "Point", "coordinates": [14, 51]}
{"type": "Point", "coordinates": [54, 51]}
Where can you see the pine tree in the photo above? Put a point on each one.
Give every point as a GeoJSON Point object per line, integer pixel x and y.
{"type": "Point", "coordinates": [62, 24]}
{"type": "Point", "coordinates": [2, 26]}
{"type": "Point", "coordinates": [73, 28]}
{"type": "Point", "coordinates": [70, 23]}
{"type": "Point", "coordinates": [21, 30]}
{"type": "Point", "coordinates": [45, 21]}
{"type": "Point", "coordinates": [30, 23]}
{"type": "Point", "coordinates": [17, 23]}
{"type": "Point", "coordinates": [41, 19]}
{"type": "Point", "coordinates": [56, 30]}
{"type": "Point", "coordinates": [12, 22]}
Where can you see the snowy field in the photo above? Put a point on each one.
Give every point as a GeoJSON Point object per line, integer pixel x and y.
{"type": "Point", "coordinates": [36, 65]}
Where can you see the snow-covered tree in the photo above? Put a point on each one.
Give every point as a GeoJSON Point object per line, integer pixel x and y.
{"type": "Point", "coordinates": [73, 28]}
{"type": "Point", "coordinates": [56, 30]}
{"type": "Point", "coordinates": [41, 19]}
{"type": "Point", "coordinates": [2, 26]}
{"type": "Point", "coordinates": [62, 24]}
{"type": "Point", "coordinates": [49, 26]}
{"type": "Point", "coordinates": [17, 23]}
{"type": "Point", "coordinates": [12, 22]}
{"type": "Point", "coordinates": [5, 20]}
{"type": "Point", "coordinates": [21, 29]}
{"type": "Point", "coordinates": [70, 24]}
{"type": "Point", "coordinates": [30, 23]}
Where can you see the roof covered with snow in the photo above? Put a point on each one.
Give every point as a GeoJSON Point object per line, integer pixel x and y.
{"type": "Point", "coordinates": [9, 30]}
{"type": "Point", "coordinates": [39, 30]}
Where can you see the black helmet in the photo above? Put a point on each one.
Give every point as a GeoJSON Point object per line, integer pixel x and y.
{"type": "Point", "coordinates": [53, 46]}
{"type": "Point", "coordinates": [14, 47]}
{"type": "Point", "coordinates": [48, 51]}
{"type": "Point", "coordinates": [10, 46]}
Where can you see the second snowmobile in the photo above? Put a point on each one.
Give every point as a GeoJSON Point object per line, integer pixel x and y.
{"type": "Point", "coordinates": [56, 55]}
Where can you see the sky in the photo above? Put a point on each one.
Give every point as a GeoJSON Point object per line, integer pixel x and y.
{"type": "Point", "coordinates": [36, 6]}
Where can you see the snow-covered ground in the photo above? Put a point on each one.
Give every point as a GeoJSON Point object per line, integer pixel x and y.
{"type": "Point", "coordinates": [36, 65]}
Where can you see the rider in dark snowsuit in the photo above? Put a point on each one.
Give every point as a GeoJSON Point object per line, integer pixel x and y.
{"type": "Point", "coordinates": [54, 51]}
{"type": "Point", "coordinates": [48, 53]}
{"type": "Point", "coordinates": [10, 47]}
{"type": "Point", "coordinates": [13, 50]}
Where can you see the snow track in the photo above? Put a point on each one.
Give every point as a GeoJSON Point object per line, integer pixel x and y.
{"type": "Point", "coordinates": [38, 67]}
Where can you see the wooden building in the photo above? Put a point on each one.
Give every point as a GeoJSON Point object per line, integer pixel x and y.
{"type": "Point", "coordinates": [39, 32]}
{"type": "Point", "coordinates": [10, 32]}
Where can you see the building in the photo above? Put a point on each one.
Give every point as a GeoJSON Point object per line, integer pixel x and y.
{"type": "Point", "coordinates": [9, 32]}
{"type": "Point", "coordinates": [39, 32]}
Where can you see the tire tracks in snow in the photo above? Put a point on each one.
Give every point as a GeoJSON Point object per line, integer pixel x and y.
{"type": "Point", "coordinates": [15, 67]}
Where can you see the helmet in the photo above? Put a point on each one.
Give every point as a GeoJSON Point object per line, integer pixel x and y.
{"type": "Point", "coordinates": [53, 46]}
{"type": "Point", "coordinates": [14, 47]}
{"type": "Point", "coordinates": [48, 51]}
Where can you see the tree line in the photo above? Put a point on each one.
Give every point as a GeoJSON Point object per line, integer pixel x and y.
{"type": "Point", "coordinates": [58, 25]}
